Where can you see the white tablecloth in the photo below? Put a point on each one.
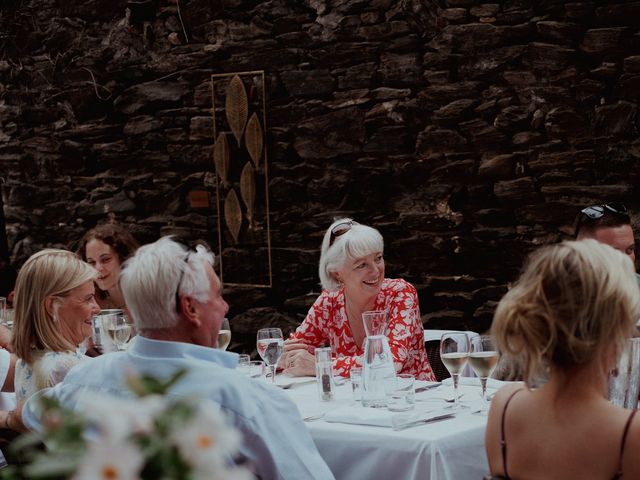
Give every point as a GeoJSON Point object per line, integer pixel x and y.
{"type": "Point", "coordinates": [450, 449]}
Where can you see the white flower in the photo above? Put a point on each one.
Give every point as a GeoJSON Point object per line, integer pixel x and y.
{"type": "Point", "coordinates": [206, 442]}
{"type": "Point", "coordinates": [118, 418]}
{"type": "Point", "coordinates": [119, 460]}
{"type": "Point", "coordinates": [126, 438]}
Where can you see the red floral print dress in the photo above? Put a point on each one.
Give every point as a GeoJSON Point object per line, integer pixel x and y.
{"type": "Point", "coordinates": [327, 324]}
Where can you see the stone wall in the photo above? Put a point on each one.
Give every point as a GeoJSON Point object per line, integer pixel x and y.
{"type": "Point", "coordinates": [469, 133]}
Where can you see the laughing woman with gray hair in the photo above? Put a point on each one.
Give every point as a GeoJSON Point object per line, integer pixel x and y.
{"type": "Point", "coordinates": [352, 276]}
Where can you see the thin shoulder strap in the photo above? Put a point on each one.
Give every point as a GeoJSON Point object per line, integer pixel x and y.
{"type": "Point", "coordinates": [503, 441]}
{"type": "Point", "coordinates": [624, 440]}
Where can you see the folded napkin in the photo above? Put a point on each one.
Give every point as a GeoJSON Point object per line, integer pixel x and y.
{"type": "Point", "coordinates": [378, 417]}
{"type": "Point", "coordinates": [381, 417]}
{"type": "Point", "coordinates": [491, 382]}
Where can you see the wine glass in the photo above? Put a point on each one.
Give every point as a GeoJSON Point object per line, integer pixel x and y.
{"type": "Point", "coordinates": [270, 348]}
{"type": "Point", "coordinates": [118, 329]}
{"type": "Point", "coordinates": [224, 335]}
{"type": "Point", "coordinates": [454, 352]}
{"type": "Point", "coordinates": [483, 360]}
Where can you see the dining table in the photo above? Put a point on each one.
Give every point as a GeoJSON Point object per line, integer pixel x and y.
{"type": "Point", "coordinates": [359, 442]}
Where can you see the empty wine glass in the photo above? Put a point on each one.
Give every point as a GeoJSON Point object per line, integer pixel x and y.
{"type": "Point", "coordinates": [224, 335]}
{"type": "Point", "coordinates": [454, 352]}
{"type": "Point", "coordinates": [483, 359]}
{"type": "Point", "coordinates": [270, 345]}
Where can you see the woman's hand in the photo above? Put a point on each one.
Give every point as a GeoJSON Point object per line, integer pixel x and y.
{"type": "Point", "coordinates": [291, 346]}
{"type": "Point", "coordinates": [299, 362]}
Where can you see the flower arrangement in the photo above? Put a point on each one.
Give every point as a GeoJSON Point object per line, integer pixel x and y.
{"type": "Point", "coordinates": [149, 436]}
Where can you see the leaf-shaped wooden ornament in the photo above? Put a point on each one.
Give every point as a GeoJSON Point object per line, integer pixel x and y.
{"type": "Point", "coordinates": [236, 107]}
{"type": "Point", "coordinates": [253, 138]}
{"type": "Point", "coordinates": [248, 190]}
{"type": "Point", "coordinates": [233, 214]}
{"type": "Point", "coordinates": [221, 158]}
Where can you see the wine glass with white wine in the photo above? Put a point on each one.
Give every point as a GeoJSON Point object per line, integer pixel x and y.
{"type": "Point", "coordinates": [483, 360]}
{"type": "Point", "coordinates": [270, 345]}
{"type": "Point", "coordinates": [454, 353]}
{"type": "Point", "coordinates": [224, 335]}
{"type": "Point", "coordinates": [119, 330]}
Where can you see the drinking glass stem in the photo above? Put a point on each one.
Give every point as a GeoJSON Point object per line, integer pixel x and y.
{"type": "Point", "coordinates": [483, 384]}
{"type": "Point", "coordinates": [455, 389]}
{"type": "Point", "coordinates": [273, 373]}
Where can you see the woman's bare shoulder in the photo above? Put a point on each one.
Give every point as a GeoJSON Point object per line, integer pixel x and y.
{"type": "Point", "coordinates": [502, 395]}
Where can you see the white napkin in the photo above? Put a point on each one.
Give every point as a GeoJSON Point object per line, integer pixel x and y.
{"type": "Point", "coordinates": [491, 382]}
{"type": "Point", "coordinates": [378, 417]}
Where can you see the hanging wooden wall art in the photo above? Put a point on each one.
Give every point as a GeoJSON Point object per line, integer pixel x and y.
{"type": "Point", "coordinates": [242, 186]}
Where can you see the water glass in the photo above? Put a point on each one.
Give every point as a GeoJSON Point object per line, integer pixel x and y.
{"type": "Point", "coordinates": [3, 310]}
{"type": "Point", "coordinates": [355, 375]}
{"type": "Point", "coordinates": [8, 315]}
{"type": "Point", "coordinates": [256, 369]}
{"type": "Point", "coordinates": [270, 348]}
{"type": "Point", "coordinates": [243, 364]}
{"type": "Point", "coordinates": [401, 393]}
{"type": "Point", "coordinates": [96, 328]}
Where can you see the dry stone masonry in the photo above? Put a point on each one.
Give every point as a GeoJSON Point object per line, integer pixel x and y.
{"type": "Point", "coordinates": [469, 133]}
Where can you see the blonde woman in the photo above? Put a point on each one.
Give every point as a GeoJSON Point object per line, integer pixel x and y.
{"type": "Point", "coordinates": [566, 321]}
{"type": "Point", "coordinates": [54, 304]}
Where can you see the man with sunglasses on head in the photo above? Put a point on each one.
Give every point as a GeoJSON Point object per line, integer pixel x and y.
{"type": "Point", "coordinates": [175, 299]}
{"type": "Point", "coordinates": [608, 223]}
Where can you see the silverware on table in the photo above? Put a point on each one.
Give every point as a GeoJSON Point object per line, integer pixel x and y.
{"type": "Point", "coordinates": [286, 386]}
{"type": "Point", "coordinates": [422, 421]}
{"type": "Point", "coordinates": [311, 418]}
{"type": "Point", "coordinates": [428, 387]}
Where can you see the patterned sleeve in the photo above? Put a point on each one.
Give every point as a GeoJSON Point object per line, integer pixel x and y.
{"type": "Point", "coordinates": [404, 322]}
{"type": "Point", "coordinates": [312, 330]}
{"type": "Point", "coordinates": [58, 365]}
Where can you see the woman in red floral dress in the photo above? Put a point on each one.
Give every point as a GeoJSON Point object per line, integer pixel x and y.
{"type": "Point", "coordinates": [352, 276]}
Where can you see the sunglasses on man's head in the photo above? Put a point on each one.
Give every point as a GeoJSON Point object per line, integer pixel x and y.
{"type": "Point", "coordinates": [598, 211]}
{"type": "Point", "coordinates": [340, 229]}
{"type": "Point", "coordinates": [192, 248]}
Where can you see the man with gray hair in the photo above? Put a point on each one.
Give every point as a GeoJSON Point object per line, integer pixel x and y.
{"type": "Point", "coordinates": [175, 299]}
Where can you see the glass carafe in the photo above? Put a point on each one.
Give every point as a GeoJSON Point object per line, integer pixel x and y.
{"type": "Point", "coordinates": [377, 364]}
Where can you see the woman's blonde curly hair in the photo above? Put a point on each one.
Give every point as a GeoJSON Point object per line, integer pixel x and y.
{"type": "Point", "coordinates": [575, 303]}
